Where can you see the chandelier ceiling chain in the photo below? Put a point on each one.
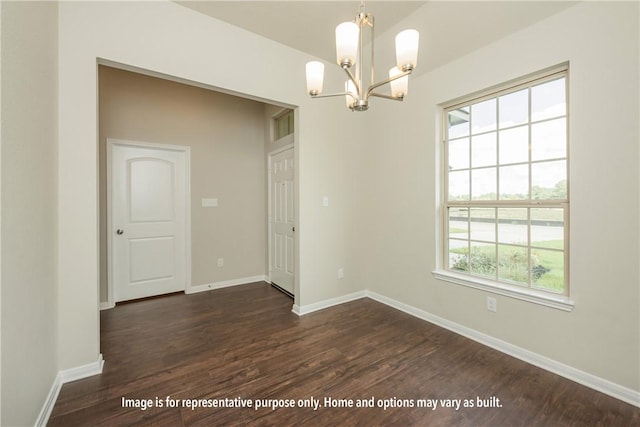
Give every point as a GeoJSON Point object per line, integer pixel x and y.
{"type": "Point", "coordinates": [350, 55]}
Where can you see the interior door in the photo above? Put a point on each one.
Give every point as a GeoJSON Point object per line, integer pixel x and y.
{"type": "Point", "coordinates": [282, 221]}
{"type": "Point", "coordinates": [148, 220]}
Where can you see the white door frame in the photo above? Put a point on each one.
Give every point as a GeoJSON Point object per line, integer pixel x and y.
{"type": "Point", "coordinates": [295, 207]}
{"type": "Point", "coordinates": [187, 226]}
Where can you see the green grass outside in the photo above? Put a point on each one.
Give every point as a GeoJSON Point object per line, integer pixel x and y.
{"type": "Point", "coordinates": [514, 266]}
{"type": "Point", "coordinates": [554, 261]}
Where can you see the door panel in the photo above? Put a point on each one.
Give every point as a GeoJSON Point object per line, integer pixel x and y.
{"type": "Point", "coordinates": [151, 259]}
{"type": "Point", "coordinates": [151, 189]}
{"type": "Point", "coordinates": [282, 220]}
{"type": "Point", "coordinates": [148, 221]}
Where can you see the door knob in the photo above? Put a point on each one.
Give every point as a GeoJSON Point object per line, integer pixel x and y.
{"type": "Point", "coordinates": [119, 231]}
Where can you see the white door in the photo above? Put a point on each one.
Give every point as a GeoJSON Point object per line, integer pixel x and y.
{"type": "Point", "coordinates": [148, 223]}
{"type": "Point", "coordinates": [282, 220]}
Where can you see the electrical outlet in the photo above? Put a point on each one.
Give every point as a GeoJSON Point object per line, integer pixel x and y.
{"type": "Point", "coordinates": [220, 262]}
{"type": "Point", "coordinates": [341, 273]}
{"type": "Point", "coordinates": [492, 304]}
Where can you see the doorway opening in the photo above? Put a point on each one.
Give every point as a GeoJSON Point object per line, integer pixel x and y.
{"type": "Point", "coordinates": [230, 139]}
{"type": "Point", "coordinates": [281, 196]}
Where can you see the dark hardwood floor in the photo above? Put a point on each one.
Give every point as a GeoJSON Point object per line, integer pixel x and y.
{"type": "Point", "coordinates": [244, 342]}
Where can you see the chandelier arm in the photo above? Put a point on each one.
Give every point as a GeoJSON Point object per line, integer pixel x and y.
{"type": "Point", "coordinates": [329, 95]}
{"type": "Point", "coordinates": [383, 95]}
{"type": "Point", "coordinates": [384, 82]}
{"type": "Point", "coordinates": [353, 79]}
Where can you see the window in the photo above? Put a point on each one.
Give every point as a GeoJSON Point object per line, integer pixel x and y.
{"type": "Point", "coordinates": [506, 198]}
{"type": "Point", "coordinates": [283, 125]}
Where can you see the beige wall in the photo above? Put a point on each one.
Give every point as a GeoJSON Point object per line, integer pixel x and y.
{"type": "Point", "coordinates": [198, 49]}
{"type": "Point", "coordinates": [601, 336]}
{"type": "Point", "coordinates": [29, 205]}
{"type": "Point", "coordinates": [226, 136]}
{"type": "Point", "coordinates": [378, 168]}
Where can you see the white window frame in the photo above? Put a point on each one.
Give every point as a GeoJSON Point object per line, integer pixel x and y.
{"type": "Point", "coordinates": [560, 301]}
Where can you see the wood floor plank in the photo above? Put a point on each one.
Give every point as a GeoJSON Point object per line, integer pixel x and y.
{"type": "Point", "coordinates": [244, 342]}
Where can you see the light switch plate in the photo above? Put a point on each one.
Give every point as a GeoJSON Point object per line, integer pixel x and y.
{"type": "Point", "coordinates": [209, 203]}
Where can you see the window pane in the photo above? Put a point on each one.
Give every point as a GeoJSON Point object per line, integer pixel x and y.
{"type": "Point", "coordinates": [549, 140]}
{"type": "Point", "coordinates": [548, 100]}
{"type": "Point", "coordinates": [547, 269]}
{"type": "Point", "coordinates": [483, 184]}
{"type": "Point", "coordinates": [458, 123]}
{"type": "Point", "coordinates": [284, 125]}
{"type": "Point", "coordinates": [459, 223]}
{"type": "Point", "coordinates": [507, 159]}
{"type": "Point", "coordinates": [547, 228]}
{"type": "Point", "coordinates": [483, 260]}
{"type": "Point", "coordinates": [458, 235]}
{"type": "Point", "coordinates": [514, 145]}
{"type": "Point", "coordinates": [513, 225]}
{"type": "Point", "coordinates": [483, 116]}
{"type": "Point", "coordinates": [549, 180]}
{"type": "Point", "coordinates": [513, 264]}
{"type": "Point", "coordinates": [514, 182]}
{"type": "Point", "coordinates": [459, 153]}
{"type": "Point", "coordinates": [483, 150]}
{"type": "Point", "coordinates": [459, 185]}
{"type": "Point", "coordinates": [514, 108]}
{"type": "Point", "coordinates": [458, 255]}
{"type": "Point", "coordinates": [482, 223]}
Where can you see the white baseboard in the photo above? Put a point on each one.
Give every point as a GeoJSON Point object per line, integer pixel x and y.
{"type": "Point", "coordinates": [49, 403]}
{"type": "Point", "coordinates": [83, 371]}
{"type": "Point", "coordinates": [301, 310]}
{"type": "Point", "coordinates": [62, 377]}
{"type": "Point", "coordinates": [599, 384]}
{"type": "Point", "coordinates": [224, 284]}
{"type": "Point", "coordinates": [107, 305]}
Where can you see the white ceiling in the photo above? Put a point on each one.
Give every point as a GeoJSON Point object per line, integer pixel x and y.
{"type": "Point", "coordinates": [448, 29]}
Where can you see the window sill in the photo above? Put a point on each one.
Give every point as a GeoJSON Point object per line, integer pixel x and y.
{"type": "Point", "coordinates": [558, 302]}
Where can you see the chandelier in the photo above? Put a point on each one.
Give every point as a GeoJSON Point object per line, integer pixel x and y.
{"type": "Point", "coordinates": [349, 55]}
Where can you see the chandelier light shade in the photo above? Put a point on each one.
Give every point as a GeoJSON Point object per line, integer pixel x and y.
{"type": "Point", "coordinates": [350, 57]}
{"type": "Point", "coordinates": [399, 86]}
{"type": "Point", "coordinates": [351, 93]}
{"type": "Point", "coordinates": [407, 49]}
{"type": "Point", "coordinates": [315, 77]}
{"type": "Point", "coordinates": [347, 36]}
